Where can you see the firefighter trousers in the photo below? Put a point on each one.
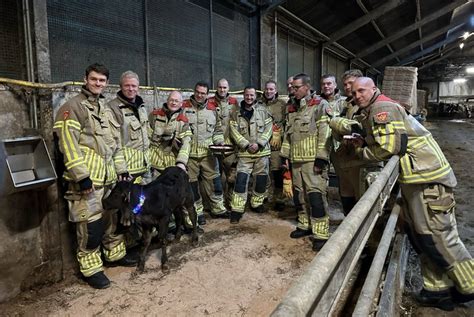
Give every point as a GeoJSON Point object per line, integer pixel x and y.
{"type": "Point", "coordinates": [310, 198]}
{"type": "Point", "coordinates": [430, 221]}
{"type": "Point", "coordinates": [246, 166]}
{"type": "Point", "coordinates": [95, 227]}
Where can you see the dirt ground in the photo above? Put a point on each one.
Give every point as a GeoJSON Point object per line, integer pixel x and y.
{"type": "Point", "coordinates": [238, 270]}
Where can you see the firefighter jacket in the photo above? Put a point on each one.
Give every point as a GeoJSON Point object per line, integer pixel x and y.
{"type": "Point", "coordinates": [133, 121]}
{"type": "Point", "coordinates": [341, 126]}
{"type": "Point", "coordinates": [224, 108]}
{"type": "Point", "coordinates": [392, 131]}
{"type": "Point", "coordinates": [276, 107]}
{"type": "Point", "coordinates": [256, 128]}
{"type": "Point", "coordinates": [337, 103]}
{"type": "Point", "coordinates": [170, 140]}
{"type": "Point", "coordinates": [307, 134]}
{"type": "Point", "coordinates": [205, 126]}
{"type": "Point", "coordinates": [89, 139]}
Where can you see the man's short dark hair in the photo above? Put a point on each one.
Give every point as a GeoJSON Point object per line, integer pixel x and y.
{"type": "Point", "coordinates": [305, 79]}
{"type": "Point", "coordinates": [250, 87]}
{"type": "Point", "coordinates": [202, 84]}
{"type": "Point", "coordinates": [352, 73]}
{"type": "Point", "coordinates": [98, 68]}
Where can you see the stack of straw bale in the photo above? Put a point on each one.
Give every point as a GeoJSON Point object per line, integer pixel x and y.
{"type": "Point", "coordinates": [399, 83]}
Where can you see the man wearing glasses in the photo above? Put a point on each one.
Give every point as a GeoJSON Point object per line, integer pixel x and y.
{"type": "Point", "coordinates": [306, 146]}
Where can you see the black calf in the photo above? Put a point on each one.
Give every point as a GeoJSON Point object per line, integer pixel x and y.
{"type": "Point", "coordinates": [152, 205]}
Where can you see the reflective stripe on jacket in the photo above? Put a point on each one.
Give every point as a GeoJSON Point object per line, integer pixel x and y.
{"type": "Point", "coordinates": [307, 133]}
{"type": "Point", "coordinates": [205, 126]}
{"type": "Point", "coordinates": [386, 122]}
{"type": "Point", "coordinates": [89, 139]}
{"type": "Point", "coordinates": [170, 138]}
{"type": "Point", "coordinates": [257, 129]}
{"type": "Point", "coordinates": [133, 120]}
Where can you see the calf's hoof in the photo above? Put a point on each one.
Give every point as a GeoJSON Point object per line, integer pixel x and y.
{"type": "Point", "coordinates": [195, 242]}
{"type": "Point", "coordinates": [165, 268]}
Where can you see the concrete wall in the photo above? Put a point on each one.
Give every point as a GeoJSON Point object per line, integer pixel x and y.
{"type": "Point", "coordinates": [30, 252]}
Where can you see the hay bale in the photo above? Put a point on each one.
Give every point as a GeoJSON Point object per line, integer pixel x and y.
{"type": "Point", "coordinates": [399, 83]}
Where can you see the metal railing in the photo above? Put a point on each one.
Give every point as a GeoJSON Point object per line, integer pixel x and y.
{"type": "Point", "coordinates": [320, 287]}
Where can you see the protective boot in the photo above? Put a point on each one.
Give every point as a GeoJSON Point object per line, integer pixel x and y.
{"type": "Point", "coordinates": [235, 217]}
{"type": "Point", "coordinates": [438, 299]}
{"type": "Point", "coordinates": [299, 233]}
{"type": "Point", "coordinates": [318, 244]}
{"type": "Point", "coordinates": [98, 280]}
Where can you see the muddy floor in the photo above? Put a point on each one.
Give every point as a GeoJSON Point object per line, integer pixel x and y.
{"type": "Point", "coordinates": [238, 270]}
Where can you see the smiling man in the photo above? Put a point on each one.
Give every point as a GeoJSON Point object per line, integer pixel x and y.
{"type": "Point", "coordinates": [131, 114]}
{"type": "Point", "coordinates": [89, 139]}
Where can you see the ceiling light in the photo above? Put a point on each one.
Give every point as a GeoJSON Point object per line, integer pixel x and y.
{"type": "Point", "coordinates": [459, 80]}
{"type": "Point", "coordinates": [461, 45]}
{"type": "Point", "coordinates": [470, 70]}
{"type": "Point", "coordinates": [466, 35]}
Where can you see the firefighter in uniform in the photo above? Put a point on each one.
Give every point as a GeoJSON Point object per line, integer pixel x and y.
{"type": "Point", "coordinates": [130, 112]}
{"type": "Point", "coordinates": [427, 183]}
{"type": "Point", "coordinates": [89, 139]}
{"type": "Point", "coordinates": [346, 163]}
{"type": "Point", "coordinates": [251, 130]}
{"type": "Point", "coordinates": [276, 107]}
{"type": "Point", "coordinates": [228, 161]}
{"type": "Point", "coordinates": [306, 145]}
{"type": "Point", "coordinates": [170, 140]}
{"type": "Point", "coordinates": [206, 128]}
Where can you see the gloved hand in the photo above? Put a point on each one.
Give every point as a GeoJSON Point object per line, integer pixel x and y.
{"type": "Point", "coordinates": [181, 166]}
{"type": "Point", "coordinates": [86, 186]}
{"type": "Point", "coordinates": [126, 218]}
{"type": "Point", "coordinates": [125, 177]}
{"type": "Point", "coordinates": [275, 141]}
{"type": "Point", "coordinates": [287, 185]}
{"type": "Point", "coordinates": [320, 165]}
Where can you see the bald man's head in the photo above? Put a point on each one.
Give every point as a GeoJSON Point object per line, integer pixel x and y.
{"type": "Point", "coordinates": [363, 89]}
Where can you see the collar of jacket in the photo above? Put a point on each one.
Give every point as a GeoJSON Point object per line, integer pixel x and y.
{"type": "Point", "coordinates": [219, 98]}
{"type": "Point", "coordinates": [274, 99]}
{"type": "Point", "coordinates": [90, 96]}
{"type": "Point", "coordinates": [336, 95]}
{"type": "Point", "coordinates": [377, 93]}
{"type": "Point", "coordinates": [168, 112]}
{"type": "Point", "coordinates": [137, 104]}
{"type": "Point", "coordinates": [199, 105]}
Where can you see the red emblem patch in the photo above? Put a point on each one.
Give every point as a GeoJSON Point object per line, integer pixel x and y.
{"type": "Point", "coordinates": [65, 115]}
{"type": "Point", "coordinates": [382, 117]}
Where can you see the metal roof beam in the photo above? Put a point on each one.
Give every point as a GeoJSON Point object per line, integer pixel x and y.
{"type": "Point", "coordinates": [447, 8]}
{"type": "Point", "coordinates": [446, 55]}
{"type": "Point", "coordinates": [415, 44]}
{"type": "Point", "coordinates": [363, 20]}
{"type": "Point", "coordinates": [427, 50]}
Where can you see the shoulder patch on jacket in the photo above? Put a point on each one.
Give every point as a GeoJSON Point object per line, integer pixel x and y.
{"type": "Point", "coordinates": [382, 117]}
{"type": "Point", "coordinates": [232, 100]}
{"type": "Point", "coordinates": [65, 115]}
{"type": "Point", "coordinates": [159, 112]}
{"type": "Point", "coordinates": [187, 104]}
{"type": "Point", "coordinates": [314, 102]}
{"type": "Point", "coordinates": [182, 117]}
{"type": "Point", "coordinates": [211, 105]}
{"type": "Point", "coordinates": [291, 108]}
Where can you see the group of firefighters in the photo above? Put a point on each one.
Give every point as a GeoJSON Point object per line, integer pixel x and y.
{"type": "Point", "coordinates": [287, 142]}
